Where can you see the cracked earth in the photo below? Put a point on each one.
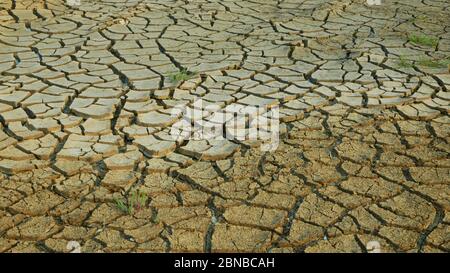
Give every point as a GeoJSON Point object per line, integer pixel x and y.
{"type": "Point", "coordinates": [85, 100]}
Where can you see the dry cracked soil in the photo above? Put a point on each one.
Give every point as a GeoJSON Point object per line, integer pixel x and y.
{"type": "Point", "coordinates": [87, 89]}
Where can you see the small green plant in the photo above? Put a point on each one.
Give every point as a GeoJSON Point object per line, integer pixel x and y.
{"type": "Point", "coordinates": [182, 75]}
{"type": "Point", "coordinates": [122, 206]}
{"type": "Point", "coordinates": [432, 63]}
{"type": "Point", "coordinates": [423, 40]}
{"type": "Point", "coordinates": [403, 62]}
{"type": "Point", "coordinates": [134, 202]}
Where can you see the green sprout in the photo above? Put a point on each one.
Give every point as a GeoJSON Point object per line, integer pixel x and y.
{"type": "Point", "coordinates": [423, 40]}
{"type": "Point", "coordinates": [182, 75]}
{"type": "Point", "coordinates": [403, 62]}
{"type": "Point", "coordinates": [135, 202]}
{"type": "Point", "coordinates": [431, 63]}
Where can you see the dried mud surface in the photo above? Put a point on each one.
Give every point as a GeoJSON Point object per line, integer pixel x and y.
{"type": "Point", "coordinates": [85, 100]}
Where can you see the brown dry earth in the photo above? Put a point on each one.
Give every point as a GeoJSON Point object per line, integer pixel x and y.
{"type": "Point", "coordinates": [85, 100]}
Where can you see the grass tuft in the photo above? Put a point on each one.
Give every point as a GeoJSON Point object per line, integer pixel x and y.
{"type": "Point", "coordinates": [182, 75]}
{"type": "Point", "coordinates": [134, 202]}
{"type": "Point", "coordinates": [423, 40]}
{"type": "Point", "coordinates": [431, 63]}
{"type": "Point", "coordinates": [404, 63]}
